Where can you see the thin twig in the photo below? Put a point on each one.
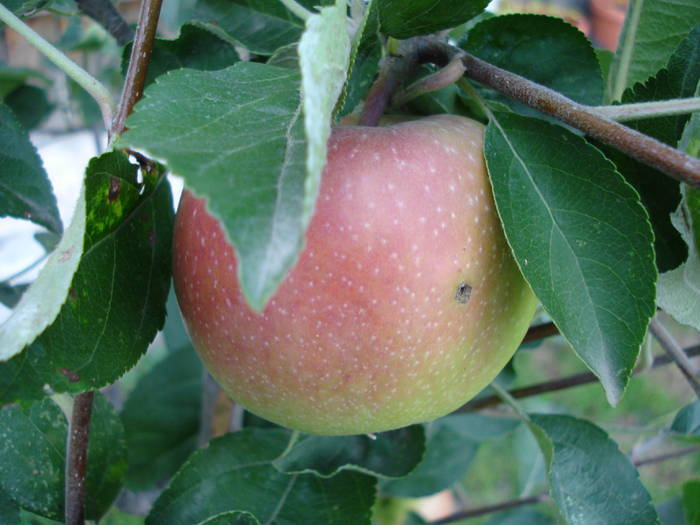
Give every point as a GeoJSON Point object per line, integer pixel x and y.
{"type": "Point", "coordinates": [138, 63]}
{"type": "Point", "coordinates": [563, 383]}
{"type": "Point", "coordinates": [104, 13]}
{"type": "Point", "coordinates": [659, 108]}
{"type": "Point", "coordinates": [537, 498]}
{"type": "Point", "coordinates": [540, 331]}
{"type": "Point", "coordinates": [90, 84]}
{"type": "Point", "coordinates": [76, 459]}
{"type": "Point", "coordinates": [675, 352]}
{"type": "Point", "coordinates": [650, 151]}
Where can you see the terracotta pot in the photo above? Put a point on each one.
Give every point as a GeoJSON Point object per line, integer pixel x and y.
{"type": "Point", "coordinates": [607, 17]}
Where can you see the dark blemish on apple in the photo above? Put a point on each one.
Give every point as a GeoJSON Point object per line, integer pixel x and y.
{"type": "Point", "coordinates": [463, 293]}
{"type": "Point", "coordinates": [115, 186]}
{"type": "Point", "coordinates": [70, 375]}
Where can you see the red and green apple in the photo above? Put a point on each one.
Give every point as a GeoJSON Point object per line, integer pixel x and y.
{"type": "Point", "coordinates": [404, 304]}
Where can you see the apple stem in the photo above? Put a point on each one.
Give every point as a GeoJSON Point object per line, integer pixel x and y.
{"type": "Point", "coordinates": [399, 63]}
{"type": "Point", "coordinates": [141, 50]}
{"type": "Point", "coordinates": [76, 458]}
{"type": "Point", "coordinates": [446, 76]}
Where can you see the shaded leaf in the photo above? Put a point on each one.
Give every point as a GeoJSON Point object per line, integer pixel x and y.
{"type": "Point", "coordinates": [32, 457]}
{"type": "Point", "coordinates": [451, 443]}
{"type": "Point", "coordinates": [687, 421]}
{"type": "Point", "coordinates": [236, 136]}
{"type": "Point", "coordinates": [591, 480]}
{"type": "Point", "coordinates": [388, 454]}
{"type": "Point", "coordinates": [161, 418]}
{"type": "Point", "coordinates": [580, 237]}
{"type": "Point", "coordinates": [30, 105]}
{"type": "Point", "coordinates": [262, 26]}
{"type": "Point", "coordinates": [195, 48]}
{"type": "Point", "coordinates": [117, 297]}
{"type": "Point", "coordinates": [652, 31]}
{"type": "Point", "coordinates": [236, 473]}
{"type": "Point", "coordinates": [407, 18]}
{"type": "Point", "coordinates": [26, 190]}
{"type": "Point", "coordinates": [544, 49]}
{"type": "Point", "coordinates": [9, 511]}
{"type": "Point", "coordinates": [10, 294]}
{"type": "Point", "coordinates": [364, 61]}
{"type": "Point", "coordinates": [234, 517]}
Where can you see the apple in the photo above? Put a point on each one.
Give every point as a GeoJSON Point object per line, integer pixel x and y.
{"type": "Point", "coordinates": [404, 304]}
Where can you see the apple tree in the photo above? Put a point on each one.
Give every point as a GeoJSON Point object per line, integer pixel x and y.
{"type": "Point", "coordinates": [387, 208]}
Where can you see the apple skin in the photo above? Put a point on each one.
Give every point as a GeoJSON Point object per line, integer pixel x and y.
{"type": "Point", "coordinates": [372, 329]}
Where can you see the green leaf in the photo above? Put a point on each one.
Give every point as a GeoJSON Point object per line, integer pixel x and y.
{"type": "Point", "coordinates": [580, 237]}
{"type": "Point", "coordinates": [364, 61]}
{"type": "Point", "coordinates": [26, 190]}
{"type": "Point", "coordinates": [117, 297]}
{"type": "Point", "coordinates": [30, 105]}
{"type": "Point", "coordinates": [652, 31]}
{"type": "Point", "coordinates": [678, 79]}
{"type": "Point", "coordinates": [32, 457]}
{"type": "Point", "coordinates": [544, 49]}
{"type": "Point", "coordinates": [42, 302]}
{"type": "Point", "coordinates": [691, 501]}
{"type": "Point", "coordinates": [451, 443]}
{"type": "Point", "coordinates": [195, 47]}
{"type": "Point", "coordinates": [591, 480]}
{"type": "Point", "coordinates": [679, 289]}
{"type": "Point", "coordinates": [388, 454]}
{"type": "Point", "coordinates": [407, 18]}
{"type": "Point", "coordinates": [261, 26]}
{"type": "Point", "coordinates": [236, 473]}
{"type": "Point", "coordinates": [161, 418]}
{"type": "Point", "coordinates": [236, 137]}
{"type": "Point", "coordinates": [286, 56]}
{"type": "Point", "coordinates": [687, 421]}
{"type": "Point", "coordinates": [324, 54]}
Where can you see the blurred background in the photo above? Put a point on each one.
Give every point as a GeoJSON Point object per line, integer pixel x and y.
{"type": "Point", "coordinates": [67, 131]}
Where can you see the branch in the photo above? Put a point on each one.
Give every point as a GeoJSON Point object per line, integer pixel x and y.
{"type": "Point", "coordinates": [138, 63]}
{"type": "Point", "coordinates": [675, 352]}
{"type": "Point", "coordinates": [505, 505]}
{"type": "Point", "coordinates": [563, 383]}
{"type": "Point", "coordinates": [104, 13]}
{"type": "Point", "coordinates": [76, 459]}
{"type": "Point", "coordinates": [650, 151]}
